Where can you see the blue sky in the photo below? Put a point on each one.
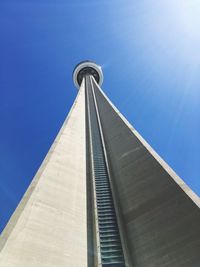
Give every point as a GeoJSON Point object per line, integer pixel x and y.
{"type": "Point", "coordinates": [150, 54]}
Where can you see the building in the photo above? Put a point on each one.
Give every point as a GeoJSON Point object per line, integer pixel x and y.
{"type": "Point", "coordinates": [102, 196]}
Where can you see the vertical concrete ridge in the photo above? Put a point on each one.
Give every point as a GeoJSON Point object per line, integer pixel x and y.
{"type": "Point", "coordinates": [194, 197]}
{"type": "Point", "coordinates": [15, 216]}
{"type": "Point", "coordinates": [160, 214]}
{"type": "Point", "coordinates": [50, 220]}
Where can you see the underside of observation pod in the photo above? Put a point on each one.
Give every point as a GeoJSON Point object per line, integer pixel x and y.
{"type": "Point", "coordinates": [87, 68]}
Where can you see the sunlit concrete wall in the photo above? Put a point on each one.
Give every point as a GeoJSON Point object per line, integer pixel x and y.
{"type": "Point", "coordinates": [49, 226]}
{"type": "Point", "coordinates": [159, 213]}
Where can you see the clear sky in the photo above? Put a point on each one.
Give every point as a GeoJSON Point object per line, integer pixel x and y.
{"type": "Point", "coordinates": [150, 54]}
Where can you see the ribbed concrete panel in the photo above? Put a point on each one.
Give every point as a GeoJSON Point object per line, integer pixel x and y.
{"type": "Point", "coordinates": [49, 226]}
{"type": "Point", "coordinates": [159, 213]}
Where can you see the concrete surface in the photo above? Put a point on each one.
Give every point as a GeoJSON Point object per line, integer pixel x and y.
{"type": "Point", "coordinates": [49, 229]}
{"type": "Point", "coordinates": [159, 212]}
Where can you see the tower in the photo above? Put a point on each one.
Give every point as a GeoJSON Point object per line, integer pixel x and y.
{"type": "Point", "coordinates": [102, 196]}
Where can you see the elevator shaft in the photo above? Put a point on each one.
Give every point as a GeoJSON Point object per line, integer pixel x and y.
{"type": "Point", "coordinates": [111, 252]}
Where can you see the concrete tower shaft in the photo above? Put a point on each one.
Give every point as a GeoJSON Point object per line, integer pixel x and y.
{"type": "Point", "coordinates": [102, 196]}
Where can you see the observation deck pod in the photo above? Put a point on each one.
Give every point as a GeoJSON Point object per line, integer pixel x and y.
{"type": "Point", "coordinates": [85, 68]}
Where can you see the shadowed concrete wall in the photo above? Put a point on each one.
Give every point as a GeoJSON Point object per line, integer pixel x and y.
{"type": "Point", "coordinates": [161, 222]}
{"type": "Point", "coordinates": [49, 227]}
